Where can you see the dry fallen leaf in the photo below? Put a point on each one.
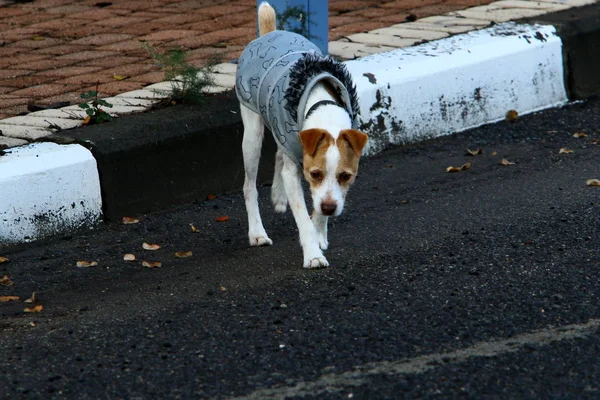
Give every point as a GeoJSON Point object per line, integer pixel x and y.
{"type": "Point", "coordinates": [37, 308]}
{"type": "Point", "coordinates": [222, 288]}
{"type": "Point", "coordinates": [38, 38]}
{"type": "Point", "coordinates": [129, 257]}
{"type": "Point", "coordinates": [120, 77]}
{"type": "Point", "coordinates": [579, 134]}
{"type": "Point", "coordinates": [474, 152]}
{"type": "Point", "coordinates": [593, 182]}
{"type": "Point", "coordinates": [222, 218]}
{"type": "Point", "coordinates": [505, 162]}
{"type": "Point", "coordinates": [511, 115]}
{"type": "Point", "coordinates": [85, 264]}
{"type": "Point", "coordinates": [4, 299]}
{"type": "Point", "coordinates": [5, 281]}
{"type": "Point", "coordinates": [183, 254]}
{"type": "Point", "coordinates": [564, 150]}
{"type": "Point", "coordinates": [495, 153]}
{"type": "Point", "coordinates": [151, 264]}
{"type": "Point", "coordinates": [87, 120]}
{"type": "Point", "coordinates": [194, 229]}
{"type": "Point", "coordinates": [31, 299]}
{"type": "Point", "coordinates": [211, 197]}
{"type": "Point", "coordinates": [463, 167]}
{"type": "Point", "coordinates": [595, 141]}
{"type": "Point", "coordinates": [3, 260]}
{"type": "Point", "coordinates": [147, 246]}
{"type": "Point", "coordinates": [129, 220]}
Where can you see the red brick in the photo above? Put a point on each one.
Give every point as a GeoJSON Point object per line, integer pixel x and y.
{"type": "Point", "coordinates": [137, 5]}
{"type": "Point", "coordinates": [126, 46]}
{"type": "Point", "coordinates": [19, 59]}
{"type": "Point", "coordinates": [359, 27]}
{"type": "Point", "coordinates": [25, 81]}
{"type": "Point", "coordinates": [226, 9]}
{"type": "Point", "coordinates": [16, 34]}
{"type": "Point", "coordinates": [30, 18]}
{"type": "Point", "coordinates": [142, 29]}
{"type": "Point", "coordinates": [6, 89]}
{"type": "Point", "coordinates": [86, 55]}
{"type": "Point", "coordinates": [182, 19]}
{"type": "Point", "coordinates": [432, 10]}
{"type": "Point", "coordinates": [31, 44]}
{"type": "Point", "coordinates": [42, 65]}
{"type": "Point", "coordinates": [17, 110]}
{"type": "Point", "coordinates": [221, 36]}
{"type": "Point", "coordinates": [7, 51]}
{"type": "Point", "coordinates": [101, 39]}
{"type": "Point", "coordinates": [78, 9]}
{"type": "Point", "coordinates": [120, 21]}
{"type": "Point", "coordinates": [168, 35]}
{"type": "Point", "coordinates": [57, 24]}
{"type": "Point", "coordinates": [68, 71]}
{"type": "Point", "coordinates": [73, 97]}
{"type": "Point", "coordinates": [98, 14]}
{"type": "Point", "coordinates": [10, 100]}
{"type": "Point", "coordinates": [85, 79]}
{"type": "Point", "coordinates": [12, 73]}
{"type": "Point", "coordinates": [114, 88]}
{"type": "Point", "coordinates": [41, 4]}
{"type": "Point", "coordinates": [345, 6]}
{"type": "Point", "coordinates": [78, 32]}
{"type": "Point", "coordinates": [408, 4]}
{"type": "Point", "coordinates": [112, 61]}
{"type": "Point", "coordinates": [50, 89]}
{"type": "Point", "coordinates": [60, 50]}
{"type": "Point", "coordinates": [150, 77]}
{"type": "Point", "coordinates": [9, 12]}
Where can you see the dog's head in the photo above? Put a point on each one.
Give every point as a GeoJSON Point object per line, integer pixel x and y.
{"type": "Point", "coordinates": [330, 163]}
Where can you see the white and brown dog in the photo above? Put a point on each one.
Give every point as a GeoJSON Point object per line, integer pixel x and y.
{"type": "Point", "coordinates": [309, 103]}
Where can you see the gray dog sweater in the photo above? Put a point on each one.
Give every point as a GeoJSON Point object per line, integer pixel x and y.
{"type": "Point", "coordinates": [274, 77]}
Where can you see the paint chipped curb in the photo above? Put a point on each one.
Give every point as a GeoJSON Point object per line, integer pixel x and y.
{"type": "Point", "coordinates": [47, 189]}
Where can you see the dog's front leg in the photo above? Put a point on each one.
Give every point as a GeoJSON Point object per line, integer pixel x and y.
{"type": "Point", "coordinates": [251, 145]}
{"type": "Point", "coordinates": [320, 222]}
{"type": "Point", "coordinates": [313, 256]}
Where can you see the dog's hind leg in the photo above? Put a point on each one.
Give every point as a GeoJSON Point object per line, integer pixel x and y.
{"type": "Point", "coordinates": [320, 222]}
{"type": "Point", "coordinates": [251, 145]}
{"type": "Point", "coordinates": [278, 196]}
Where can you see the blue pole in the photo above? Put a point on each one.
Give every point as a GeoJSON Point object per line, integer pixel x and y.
{"type": "Point", "coordinates": [310, 19]}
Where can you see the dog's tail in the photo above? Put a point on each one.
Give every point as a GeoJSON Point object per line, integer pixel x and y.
{"type": "Point", "coordinates": [266, 18]}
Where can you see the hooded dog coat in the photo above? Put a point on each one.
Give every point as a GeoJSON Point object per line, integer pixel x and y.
{"type": "Point", "coordinates": [274, 77]}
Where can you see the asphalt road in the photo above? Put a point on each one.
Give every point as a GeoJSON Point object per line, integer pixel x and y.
{"type": "Point", "coordinates": [482, 283]}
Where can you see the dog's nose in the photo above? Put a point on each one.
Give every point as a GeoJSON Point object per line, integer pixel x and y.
{"type": "Point", "coordinates": [328, 208]}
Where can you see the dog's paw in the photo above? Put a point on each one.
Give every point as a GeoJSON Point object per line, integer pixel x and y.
{"type": "Point", "coordinates": [279, 201]}
{"type": "Point", "coordinates": [323, 243]}
{"type": "Point", "coordinates": [260, 240]}
{"type": "Point", "coordinates": [317, 262]}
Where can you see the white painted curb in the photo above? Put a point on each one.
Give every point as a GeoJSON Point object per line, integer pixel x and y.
{"type": "Point", "coordinates": [458, 83]}
{"type": "Point", "coordinates": [47, 189]}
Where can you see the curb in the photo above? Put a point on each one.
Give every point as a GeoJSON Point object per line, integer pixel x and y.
{"type": "Point", "coordinates": [160, 159]}
{"type": "Point", "coordinates": [51, 189]}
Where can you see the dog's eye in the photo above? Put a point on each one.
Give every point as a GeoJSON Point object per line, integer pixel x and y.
{"type": "Point", "coordinates": [344, 177]}
{"type": "Point", "coordinates": [316, 175]}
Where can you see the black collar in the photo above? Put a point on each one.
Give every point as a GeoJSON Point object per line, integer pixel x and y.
{"type": "Point", "coordinates": [318, 104]}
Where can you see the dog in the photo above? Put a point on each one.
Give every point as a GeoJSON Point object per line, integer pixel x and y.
{"type": "Point", "coordinates": [309, 102]}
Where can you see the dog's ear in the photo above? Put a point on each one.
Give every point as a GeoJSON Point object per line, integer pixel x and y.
{"type": "Point", "coordinates": [311, 138]}
{"type": "Point", "coordinates": [356, 139]}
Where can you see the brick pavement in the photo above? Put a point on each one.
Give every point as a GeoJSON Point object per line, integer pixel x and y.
{"type": "Point", "coordinates": [52, 50]}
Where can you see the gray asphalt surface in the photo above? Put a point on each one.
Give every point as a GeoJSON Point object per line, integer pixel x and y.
{"type": "Point", "coordinates": [479, 284]}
